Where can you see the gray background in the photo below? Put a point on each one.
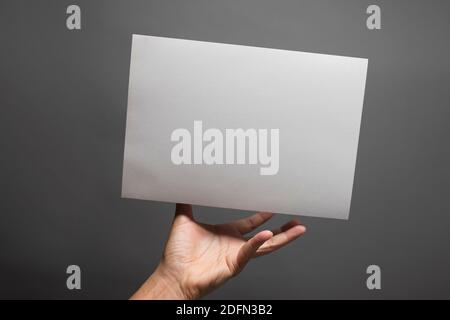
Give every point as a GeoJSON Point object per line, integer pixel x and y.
{"type": "Point", "coordinates": [62, 124]}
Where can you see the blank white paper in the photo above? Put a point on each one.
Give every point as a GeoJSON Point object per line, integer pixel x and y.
{"type": "Point", "coordinates": [314, 100]}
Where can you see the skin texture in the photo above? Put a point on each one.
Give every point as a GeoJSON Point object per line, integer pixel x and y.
{"type": "Point", "coordinates": [199, 257]}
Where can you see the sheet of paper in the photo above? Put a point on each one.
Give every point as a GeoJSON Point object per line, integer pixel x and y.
{"type": "Point", "coordinates": [242, 127]}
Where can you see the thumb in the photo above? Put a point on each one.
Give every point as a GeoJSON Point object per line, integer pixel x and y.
{"type": "Point", "coordinates": [184, 210]}
{"type": "Point", "coordinates": [249, 248]}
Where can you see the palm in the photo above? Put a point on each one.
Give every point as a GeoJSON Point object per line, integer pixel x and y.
{"type": "Point", "coordinates": [208, 255]}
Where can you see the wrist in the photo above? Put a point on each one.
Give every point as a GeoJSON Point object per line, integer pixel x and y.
{"type": "Point", "coordinates": [161, 285]}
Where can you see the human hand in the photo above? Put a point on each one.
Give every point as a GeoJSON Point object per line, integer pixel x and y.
{"type": "Point", "coordinates": [200, 257]}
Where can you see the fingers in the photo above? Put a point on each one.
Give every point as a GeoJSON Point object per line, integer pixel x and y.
{"type": "Point", "coordinates": [286, 226]}
{"type": "Point", "coordinates": [251, 223]}
{"type": "Point", "coordinates": [249, 249]}
{"type": "Point", "coordinates": [184, 210]}
{"type": "Point", "coordinates": [286, 234]}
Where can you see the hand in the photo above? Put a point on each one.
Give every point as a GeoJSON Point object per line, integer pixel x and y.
{"type": "Point", "coordinates": [200, 257]}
